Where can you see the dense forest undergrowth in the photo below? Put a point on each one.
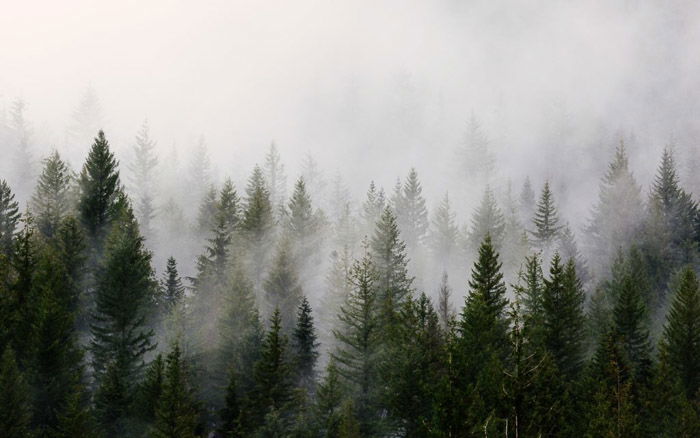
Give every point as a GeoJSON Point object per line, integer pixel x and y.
{"type": "Point", "coordinates": [303, 322]}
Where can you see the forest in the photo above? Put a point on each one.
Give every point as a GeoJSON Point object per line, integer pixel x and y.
{"type": "Point", "coordinates": [301, 322]}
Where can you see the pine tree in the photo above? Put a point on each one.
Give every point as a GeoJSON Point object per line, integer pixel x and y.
{"type": "Point", "coordinates": [446, 313]}
{"type": "Point", "coordinates": [120, 337]}
{"type": "Point", "coordinates": [475, 157]}
{"type": "Point", "coordinates": [172, 289]}
{"type": "Point", "coordinates": [99, 192]}
{"type": "Point", "coordinates": [142, 178]}
{"type": "Point", "coordinates": [411, 213]}
{"type": "Point", "coordinates": [52, 199]}
{"type": "Point", "coordinates": [23, 299]}
{"type": "Point", "coordinates": [22, 170]}
{"type": "Point", "coordinates": [176, 413]}
{"type": "Point", "coordinates": [75, 418]}
{"type": "Point", "coordinates": [206, 215]}
{"type": "Point", "coordinates": [275, 178]}
{"type": "Point", "coordinates": [231, 413]}
{"type": "Point", "coordinates": [329, 397]}
{"type": "Point", "coordinates": [545, 220]}
{"type": "Point", "coordinates": [483, 343]}
{"type": "Point", "coordinates": [282, 289]}
{"type": "Point", "coordinates": [526, 203]}
{"type": "Point", "coordinates": [228, 208]}
{"type": "Point", "coordinates": [9, 216]}
{"type": "Point", "coordinates": [151, 389]}
{"type": "Point", "coordinates": [389, 258]}
{"type": "Point", "coordinates": [563, 324]}
{"type": "Point", "coordinates": [530, 291]}
{"type": "Point", "coordinates": [303, 224]}
{"type": "Point", "coordinates": [198, 178]}
{"type": "Point", "coordinates": [257, 221]}
{"type": "Point", "coordinates": [372, 207]}
{"type": "Point", "coordinates": [618, 212]}
{"type": "Point", "coordinates": [359, 342]}
{"type": "Point", "coordinates": [15, 405]}
{"type": "Point", "coordinates": [273, 390]}
{"type": "Point", "coordinates": [444, 234]}
{"type": "Point", "coordinates": [487, 220]}
{"type": "Point", "coordinates": [681, 337]}
{"type": "Point", "coordinates": [304, 345]}
{"type": "Point", "coordinates": [568, 250]}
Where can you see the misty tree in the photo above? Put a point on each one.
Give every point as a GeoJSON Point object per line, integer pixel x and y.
{"type": "Point", "coordinates": [314, 178]}
{"type": "Point", "coordinates": [444, 233]}
{"type": "Point", "coordinates": [86, 120]}
{"type": "Point", "coordinates": [390, 260]}
{"type": "Point", "coordinates": [257, 221]}
{"type": "Point", "coordinates": [303, 224]}
{"type": "Point", "coordinates": [52, 200]}
{"type": "Point", "coordinates": [9, 217]}
{"type": "Point", "coordinates": [23, 162]}
{"type": "Point", "coordinates": [142, 179]}
{"type": "Point", "coordinates": [475, 157]}
{"type": "Point", "coordinates": [282, 289]}
{"type": "Point", "coordinates": [100, 193]}
{"type": "Point", "coordinates": [529, 291]}
{"type": "Point", "coordinates": [337, 290]}
{"type": "Point", "coordinates": [516, 245]}
{"type": "Point", "coordinates": [411, 213]}
{"type": "Point", "coordinates": [172, 289]}
{"type": "Point", "coordinates": [276, 179]}
{"type": "Point", "coordinates": [445, 311]}
{"type": "Point", "coordinates": [373, 206]}
{"type": "Point", "coordinates": [206, 214]}
{"type": "Point", "coordinates": [568, 250]}
{"type": "Point", "coordinates": [618, 212]}
{"type": "Point", "coordinates": [546, 221]}
{"type": "Point", "coordinates": [487, 220]}
{"type": "Point", "coordinates": [199, 174]}
{"type": "Point", "coordinates": [329, 398]}
{"type": "Point", "coordinates": [357, 354]}
{"type": "Point", "coordinates": [526, 201]}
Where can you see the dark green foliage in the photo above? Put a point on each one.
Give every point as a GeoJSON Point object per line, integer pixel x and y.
{"type": "Point", "coordinates": [546, 220]}
{"type": "Point", "coordinates": [231, 413]}
{"type": "Point", "coordinates": [100, 189]}
{"type": "Point", "coordinates": [151, 389]}
{"type": "Point", "coordinates": [329, 397]}
{"type": "Point", "coordinates": [9, 216]}
{"type": "Point", "coordinates": [22, 300]}
{"type": "Point", "coordinates": [304, 346]}
{"type": "Point", "coordinates": [172, 289]}
{"type": "Point", "coordinates": [15, 407]}
{"type": "Point", "coordinates": [563, 319]}
{"type": "Point", "coordinates": [176, 412]}
{"type": "Point", "coordinates": [52, 199]}
{"type": "Point", "coordinates": [681, 338]}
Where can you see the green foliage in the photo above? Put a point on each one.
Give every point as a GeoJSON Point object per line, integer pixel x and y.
{"type": "Point", "coordinates": [487, 220]}
{"type": "Point", "coordinates": [304, 346]}
{"type": "Point", "coordinates": [176, 412]}
{"type": "Point", "coordinates": [282, 289]}
{"type": "Point", "coordinates": [9, 217]}
{"type": "Point", "coordinates": [546, 220]}
{"type": "Point", "coordinates": [15, 407]}
{"type": "Point", "coordinates": [411, 213]}
{"type": "Point", "coordinates": [52, 201]}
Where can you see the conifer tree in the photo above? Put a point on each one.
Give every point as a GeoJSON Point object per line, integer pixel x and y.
{"type": "Point", "coordinates": [568, 250]}
{"type": "Point", "coordinates": [206, 215]}
{"type": "Point", "coordinates": [176, 413]}
{"type": "Point", "coordinates": [100, 191]}
{"type": "Point", "coordinates": [151, 389]}
{"type": "Point", "coordinates": [228, 208]}
{"type": "Point", "coordinates": [52, 198]}
{"type": "Point", "coordinates": [483, 343]}
{"type": "Point", "coordinates": [75, 418]}
{"type": "Point", "coordinates": [359, 342]}
{"type": "Point", "coordinates": [231, 413]}
{"type": "Point", "coordinates": [142, 178]}
{"type": "Point", "coordinates": [276, 179]}
{"type": "Point", "coordinates": [411, 213]}
{"type": "Point", "coordinates": [681, 337]}
{"type": "Point", "coordinates": [329, 397]}
{"type": "Point", "coordinates": [445, 312]}
{"type": "Point", "coordinates": [530, 291]}
{"type": "Point", "coordinates": [120, 337]}
{"type": "Point", "coordinates": [618, 212]}
{"type": "Point", "coordinates": [282, 289]}
{"type": "Point", "coordinates": [172, 289]}
{"type": "Point", "coordinates": [23, 296]}
{"type": "Point", "coordinates": [487, 220]}
{"type": "Point", "coordinates": [9, 217]}
{"type": "Point", "coordinates": [527, 202]}
{"type": "Point", "coordinates": [15, 405]}
{"type": "Point", "coordinates": [475, 157]}
{"type": "Point", "coordinates": [389, 258]}
{"type": "Point", "coordinates": [198, 178]}
{"type": "Point", "coordinates": [86, 119]}
{"type": "Point", "coordinates": [22, 170]}
{"type": "Point", "coordinates": [563, 324]}
{"type": "Point", "coordinates": [316, 183]}
{"type": "Point", "coordinates": [273, 390]}
{"type": "Point", "coordinates": [303, 224]}
{"type": "Point", "coordinates": [257, 221]}
{"type": "Point", "coordinates": [304, 346]}
{"type": "Point", "coordinates": [545, 220]}
{"type": "Point", "coordinates": [444, 234]}
{"type": "Point", "coordinates": [372, 207]}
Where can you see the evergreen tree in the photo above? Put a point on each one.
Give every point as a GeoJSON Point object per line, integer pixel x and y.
{"type": "Point", "coordinates": [527, 202]}
{"type": "Point", "coordinates": [142, 178]}
{"type": "Point", "coordinates": [87, 119]}
{"type": "Point", "coordinates": [303, 224]}
{"type": "Point", "coordinates": [52, 199]}
{"type": "Point", "coordinates": [228, 208]}
{"type": "Point", "coordinates": [304, 345]}
{"type": "Point", "coordinates": [22, 301]}
{"type": "Point", "coordinates": [389, 258]}
{"type": "Point", "coordinates": [545, 220]}
{"type": "Point", "coordinates": [475, 157]}
{"type": "Point", "coordinates": [120, 337]}
{"type": "Point", "coordinates": [681, 337]}
{"type": "Point", "coordinates": [444, 234]}
{"type": "Point", "coordinates": [563, 322]}
{"type": "Point", "coordinates": [487, 220]}
{"type": "Point", "coordinates": [176, 413]}
{"type": "Point", "coordinates": [530, 292]}
{"type": "Point", "coordinates": [282, 289]}
{"type": "Point", "coordinates": [206, 216]}
{"type": "Point", "coordinates": [15, 406]}
{"type": "Point", "coordinates": [198, 178]}
{"type": "Point", "coordinates": [151, 389]}
{"type": "Point", "coordinates": [358, 344]}
{"type": "Point", "coordinates": [316, 183]}
{"type": "Point", "coordinates": [618, 212]}
{"type": "Point", "coordinates": [275, 178]}
{"type": "Point", "coordinates": [172, 289]}
{"type": "Point", "coordinates": [100, 191]}
{"type": "Point", "coordinates": [483, 343]}
{"type": "Point", "coordinates": [372, 207]}
{"type": "Point", "coordinates": [329, 397]}
{"type": "Point", "coordinates": [9, 216]}
{"type": "Point", "coordinates": [411, 213]}
{"type": "Point", "coordinates": [273, 390]}
{"type": "Point", "coordinates": [568, 250]}
{"type": "Point", "coordinates": [22, 170]}
{"type": "Point", "coordinates": [446, 313]}
{"type": "Point", "coordinates": [257, 221]}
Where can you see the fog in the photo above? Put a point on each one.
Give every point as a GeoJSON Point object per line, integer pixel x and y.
{"type": "Point", "coordinates": [368, 90]}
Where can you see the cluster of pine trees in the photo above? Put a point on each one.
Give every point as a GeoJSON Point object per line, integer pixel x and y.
{"type": "Point", "coordinates": [94, 344]}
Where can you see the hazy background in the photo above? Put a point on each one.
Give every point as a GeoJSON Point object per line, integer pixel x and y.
{"type": "Point", "coordinates": [367, 88]}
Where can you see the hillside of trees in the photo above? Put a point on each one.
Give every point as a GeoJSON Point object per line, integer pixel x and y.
{"type": "Point", "coordinates": [310, 315]}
